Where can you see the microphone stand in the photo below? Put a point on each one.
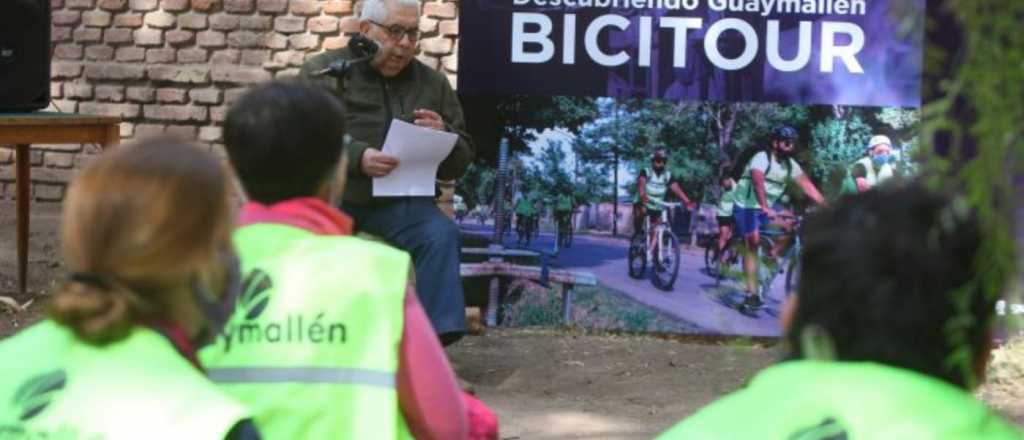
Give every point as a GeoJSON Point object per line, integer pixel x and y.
{"type": "Point", "coordinates": [364, 48]}
{"type": "Point", "coordinates": [341, 68]}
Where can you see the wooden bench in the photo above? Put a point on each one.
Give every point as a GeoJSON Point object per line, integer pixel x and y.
{"type": "Point", "coordinates": [497, 269]}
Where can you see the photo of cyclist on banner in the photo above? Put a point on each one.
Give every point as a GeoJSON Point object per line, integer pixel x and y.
{"type": "Point", "coordinates": [757, 197]}
{"type": "Point", "coordinates": [652, 185]}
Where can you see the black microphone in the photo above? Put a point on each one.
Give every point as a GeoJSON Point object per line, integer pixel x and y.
{"type": "Point", "coordinates": [363, 48]}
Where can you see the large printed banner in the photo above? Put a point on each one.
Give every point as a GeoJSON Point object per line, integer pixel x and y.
{"type": "Point", "coordinates": [590, 93]}
{"type": "Point", "coordinates": [846, 52]}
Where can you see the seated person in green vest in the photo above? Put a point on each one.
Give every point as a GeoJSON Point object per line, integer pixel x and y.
{"type": "Point", "coordinates": [524, 215]}
{"type": "Point", "coordinates": [757, 196]}
{"type": "Point", "coordinates": [875, 168]}
{"type": "Point", "coordinates": [723, 213]}
{"type": "Point", "coordinates": [146, 237]}
{"type": "Point", "coordinates": [869, 352]}
{"type": "Point", "coordinates": [652, 187]}
{"type": "Point", "coordinates": [329, 341]}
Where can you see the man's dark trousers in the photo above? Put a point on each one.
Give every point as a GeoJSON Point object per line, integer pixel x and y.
{"type": "Point", "coordinates": [417, 226]}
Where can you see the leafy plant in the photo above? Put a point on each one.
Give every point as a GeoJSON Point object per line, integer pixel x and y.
{"type": "Point", "coordinates": [975, 113]}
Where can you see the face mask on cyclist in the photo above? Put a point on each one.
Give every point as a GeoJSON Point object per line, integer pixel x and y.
{"type": "Point", "coordinates": [881, 159]}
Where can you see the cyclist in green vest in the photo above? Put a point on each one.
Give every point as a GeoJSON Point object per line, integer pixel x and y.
{"type": "Point", "coordinates": [329, 340]}
{"type": "Point", "coordinates": [145, 235]}
{"type": "Point", "coordinates": [564, 207]}
{"type": "Point", "coordinates": [653, 185]}
{"type": "Point", "coordinates": [868, 341]}
{"type": "Point", "coordinates": [875, 168]}
{"type": "Point", "coordinates": [758, 192]}
{"type": "Point", "coordinates": [525, 212]}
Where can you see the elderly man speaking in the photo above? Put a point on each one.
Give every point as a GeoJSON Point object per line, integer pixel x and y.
{"type": "Point", "coordinates": [393, 84]}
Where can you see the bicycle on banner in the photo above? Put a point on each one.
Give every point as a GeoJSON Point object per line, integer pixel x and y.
{"type": "Point", "coordinates": [772, 260]}
{"type": "Point", "coordinates": [662, 253]}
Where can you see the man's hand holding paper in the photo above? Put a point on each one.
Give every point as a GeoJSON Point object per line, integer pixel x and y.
{"type": "Point", "coordinates": [417, 150]}
{"type": "Point", "coordinates": [378, 164]}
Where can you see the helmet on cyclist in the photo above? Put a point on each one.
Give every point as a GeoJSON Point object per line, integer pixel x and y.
{"type": "Point", "coordinates": [659, 154]}
{"type": "Point", "coordinates": [878, 140]}
{"type": "Point", "coordinates": [784, 141]}
{"type": "Point", "coordinates": [784, 133]}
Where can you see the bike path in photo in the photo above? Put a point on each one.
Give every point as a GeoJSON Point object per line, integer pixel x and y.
{"type": "Point", "coordinates": [694, 297]}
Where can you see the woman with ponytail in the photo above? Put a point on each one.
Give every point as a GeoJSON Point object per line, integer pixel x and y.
{"type": "Point", "coordinates": [146, 237]}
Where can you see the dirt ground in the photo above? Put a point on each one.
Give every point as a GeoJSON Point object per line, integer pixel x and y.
{"type": "Point", "coordinates": [544, 383]}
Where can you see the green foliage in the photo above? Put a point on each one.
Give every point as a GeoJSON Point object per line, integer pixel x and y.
{"type": "Point", "coordinates": [595, 308]}
{"type": "Point", "coordinates": [526, 116]}
{"type": "Point", "coordinates": [905, 125]}
{"type": "Point", "coordinates": [835, 144]}
{"type": "Point", "coordinates": [534, 309]}
{"type": "Point", "coordinates": [899, 118]}
{"type": "Point", "coordinates": [980, 104]}
{"type": "Point", "coordinates": [477, 185]}
{"type": "Point", "coordinates": [755, 121]}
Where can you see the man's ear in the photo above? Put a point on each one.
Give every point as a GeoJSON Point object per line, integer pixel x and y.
{"type": "Point", "coordinates": [364, 27]}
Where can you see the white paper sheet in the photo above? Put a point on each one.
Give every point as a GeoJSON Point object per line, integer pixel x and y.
{"type": "Point", "coordinates": [420, 151]}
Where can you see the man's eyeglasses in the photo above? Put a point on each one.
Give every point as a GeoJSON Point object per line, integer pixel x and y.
{"type": "Point", "coordinates": [396, 32]}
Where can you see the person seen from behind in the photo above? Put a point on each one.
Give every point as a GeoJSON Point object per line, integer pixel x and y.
{"type": "Point", "coordinates": [329, 341]}
{"type": "Point", "coordinates": [145, 234]}
{"type": "Point", "coordinates": [870, 355]}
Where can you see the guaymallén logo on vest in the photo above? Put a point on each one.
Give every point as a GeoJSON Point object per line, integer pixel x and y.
{"type": "Point", "coordinates": [294, 328]}
{"type": "Point", "coordinates": [37, 393]}
{"type": "Point", "coordinates": [829, 429]}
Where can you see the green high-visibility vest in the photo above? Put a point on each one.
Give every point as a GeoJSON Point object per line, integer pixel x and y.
{"type": "Point", "coordinates": [778, 174]}
{"type": "Point", "coordinates": [872, 176]}
{"type": "Point", "coordinates": [524, 207]}
{"type": "Point", "coordinates": [312, 348]}
{"type": "Point", "coordinates": [57, 387]}
{"type": "Point", "coordinates": [656, 187]}
{"type": "Point", "coordinates": [815, 400]}
{"type": "Point", "coordinates": [726, 203]}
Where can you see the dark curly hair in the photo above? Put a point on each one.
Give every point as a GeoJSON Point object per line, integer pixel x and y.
{"type": "Point", "coordinates": [879, 273]}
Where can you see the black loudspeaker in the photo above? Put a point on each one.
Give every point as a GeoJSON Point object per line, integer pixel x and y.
{"type": "Point", "coordinates": [24, 55]}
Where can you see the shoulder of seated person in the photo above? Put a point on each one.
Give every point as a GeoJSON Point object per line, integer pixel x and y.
{"type": "Point", "coordinates": [425, 73]}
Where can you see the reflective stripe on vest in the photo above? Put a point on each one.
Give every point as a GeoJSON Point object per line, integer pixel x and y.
{"type": "Point", "coordinates": [351, 376]}
{"type": "Point", "coordinates": [312, 347]}
{"type": "Point", "coordinates": [137, 388]}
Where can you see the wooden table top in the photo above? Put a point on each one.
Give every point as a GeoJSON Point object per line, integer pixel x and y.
{"type": "Point", "coordinates": [54, 118]}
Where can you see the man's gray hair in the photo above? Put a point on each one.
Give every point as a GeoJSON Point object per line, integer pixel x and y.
{"type": "Point", "coordinates": [377, 10]}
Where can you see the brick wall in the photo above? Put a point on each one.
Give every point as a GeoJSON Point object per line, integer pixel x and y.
{"type": "Point", "coordinates": [174, 66]}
